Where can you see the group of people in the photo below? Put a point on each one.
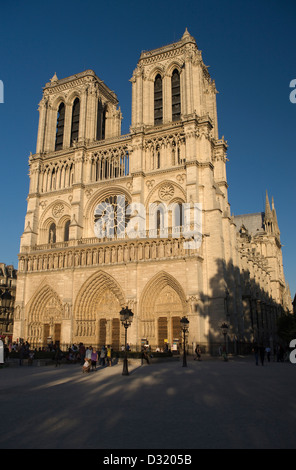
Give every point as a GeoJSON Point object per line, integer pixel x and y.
{"type": "Point", "coordinates": [92, 357]}
{"type": "Point", "coordinates": [260, 352]}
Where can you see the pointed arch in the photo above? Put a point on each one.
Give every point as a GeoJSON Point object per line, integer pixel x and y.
{"type": "Point", "coordinates": [154, 287]}
{"type": "Point", "coordinates": [37, 305]}
{"type": "Point", "coordinates": [91, 290]}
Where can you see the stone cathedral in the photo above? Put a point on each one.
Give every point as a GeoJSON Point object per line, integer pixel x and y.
{"type": "Point", "coordinates": [73, 280]}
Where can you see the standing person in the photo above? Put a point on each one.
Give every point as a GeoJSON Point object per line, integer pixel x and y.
{"type": "Point", "coordinates": [94, 359]}
{"type": "Point", "coordinates": [82, 353]}
{"type": "Point", "coordinates": [109, 356]}
{"type": "Point", "coordinates": [21, 354]}
{"type": "Point", "coordinates": [268, 351]}
{"type": "Point", "coordinates": [262, 353]}
{"type": "Point", "coordinates": [102, 356]}
{"type": "Point", "coordinates": [88, 353]}
{"type": "Point", "coordinates": [58, 356]}
{"type": "Point", "coordinates": [256, 352]}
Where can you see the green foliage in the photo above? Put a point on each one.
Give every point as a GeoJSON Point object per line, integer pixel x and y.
{"type": "Point", "coordinates": [286, 327]}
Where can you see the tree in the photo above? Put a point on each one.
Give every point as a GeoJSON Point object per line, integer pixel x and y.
{"type": "Point", "coordinates": [286, 327]}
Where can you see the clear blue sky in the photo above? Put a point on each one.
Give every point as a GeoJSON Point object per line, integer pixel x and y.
{"type": "Point", "coordinates": [249, 46]}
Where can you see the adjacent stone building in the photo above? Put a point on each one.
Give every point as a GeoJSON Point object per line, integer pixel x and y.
{"type": "Point", "coordinates": [8, 279]}
{"type": "Point", "coordinates": [88, 182]}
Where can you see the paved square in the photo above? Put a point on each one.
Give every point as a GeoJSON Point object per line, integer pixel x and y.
{"type": "Point", "coordinates": [208, 405]}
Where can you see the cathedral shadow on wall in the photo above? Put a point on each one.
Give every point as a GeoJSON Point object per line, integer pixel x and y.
{"type": "Point", "coordinates": [247, 309]}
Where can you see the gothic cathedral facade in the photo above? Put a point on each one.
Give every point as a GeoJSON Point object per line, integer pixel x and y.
{"type": "Point", "coordinates": [74, 277]}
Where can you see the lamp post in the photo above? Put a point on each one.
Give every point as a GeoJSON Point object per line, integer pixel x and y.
{"type": "Point", "coordinates": [184, 327]}
{"type": "Point", "coordinates": [224, 329]}
{"type": "Point", "coordinates": [126, 318]}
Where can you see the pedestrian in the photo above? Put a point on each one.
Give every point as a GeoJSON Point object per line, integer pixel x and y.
{"type": "Point", "coordinates": [94, 359]}
{"type": "Point", "coordinates": [262, 353]}
{"type": "Point", "coordinates": [256, 353]}
{"type": "Point", "coordinates": [58, 356]}
{"type": "Point", "coordinates": [31, 358]}
{"type": "Point", "coordinates": [82, 353]}
{"type": "Point", "coordinates": [21, 354]}
{"type": "Point", "coordinates": [109, 356]}
{"type": "Point", "coordinates": [144, 355]}
{"type": "Point", "coordinates": [86, 366]}
{"type": "Point", "coordinates": [88, 352]}
{"type": "Point", "coordinates": [198, 353]}
{"type": "Point", "coordinates": [268, 351]}
{"type": "Point", "coordinates": [102, 356]}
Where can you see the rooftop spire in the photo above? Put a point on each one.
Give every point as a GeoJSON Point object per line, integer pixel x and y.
{"type": "Point", "coordinates": [187, 37]}
{"type": "Point", "coordinates": [268, 213]}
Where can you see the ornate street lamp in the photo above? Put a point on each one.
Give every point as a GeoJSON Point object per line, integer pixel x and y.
{"type": "Point", "coordinates": [224, 329]}
{"type": "Point", "coordinates": [226, 298]}
{"type": "Point", "coordinates": [184, 327]}
{"type": "Point", "coordinates": [126, 318]}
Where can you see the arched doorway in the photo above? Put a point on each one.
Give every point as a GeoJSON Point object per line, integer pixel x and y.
{"type": "Point", "coordinates": [96, 312]}
{"type": "Point", "coordinates": [162, 306]}
{"type": "Point", "coordinates": [45, 315]}
{"type": "Point", "coordinates": [168, 310]}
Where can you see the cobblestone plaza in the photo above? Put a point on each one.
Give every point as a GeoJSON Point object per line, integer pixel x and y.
{"type": "Point", "coordinates": [207, 405]}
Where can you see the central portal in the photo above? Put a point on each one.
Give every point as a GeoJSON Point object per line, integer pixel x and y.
{"type": "Point", "coordinates": [168, 310]}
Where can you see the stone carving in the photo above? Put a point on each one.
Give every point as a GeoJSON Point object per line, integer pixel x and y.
{"type": "Point", "coordinates": [58, 209]}
{"type": "Point", "coordinates": [166, 191]}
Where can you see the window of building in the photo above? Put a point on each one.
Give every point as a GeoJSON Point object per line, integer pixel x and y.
{"type": "Point", "coordinates": [158, 111]}
{"type": "Point", "coordinates": [60, 127]}
{"type": "Point", "coordinates": [66, 231]}
{"type": "Point", "coordinates": [101, 118]}
{"type": "Point", "coordinates": [75, 121]}
{"type": "Point", "coordinates": [176, 96]}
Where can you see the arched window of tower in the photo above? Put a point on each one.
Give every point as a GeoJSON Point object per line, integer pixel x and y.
{"type": "Point", "coordinates": [158, 100]}
{"type": "Point", "coordinates": [75, 121]}
{"type": "Point", "coordinates": [60, 127]}
{"type": "Point", "coordinates": [176, 96]}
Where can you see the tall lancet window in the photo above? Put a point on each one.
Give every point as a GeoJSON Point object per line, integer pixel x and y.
{"type": "Point", "coordinates": [158, 100]}
{"type": "Point", "coordinates": [60, 127]}
{"type": "Point", "coordinates": [176, 96]}
{"type": "Point", "coordinates": [66, 231]}
{"type": "Point", "coordinates": [101, 121]}
{"type": "Point", "coordinates": [75, 121]}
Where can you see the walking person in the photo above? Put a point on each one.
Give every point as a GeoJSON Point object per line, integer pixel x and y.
{"type": "Point", "coordinates": [198, 353]}
{"type": "Point", "coordinates": [268, 351]}
{"type": "Point", "coordinates": [144, 355]}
